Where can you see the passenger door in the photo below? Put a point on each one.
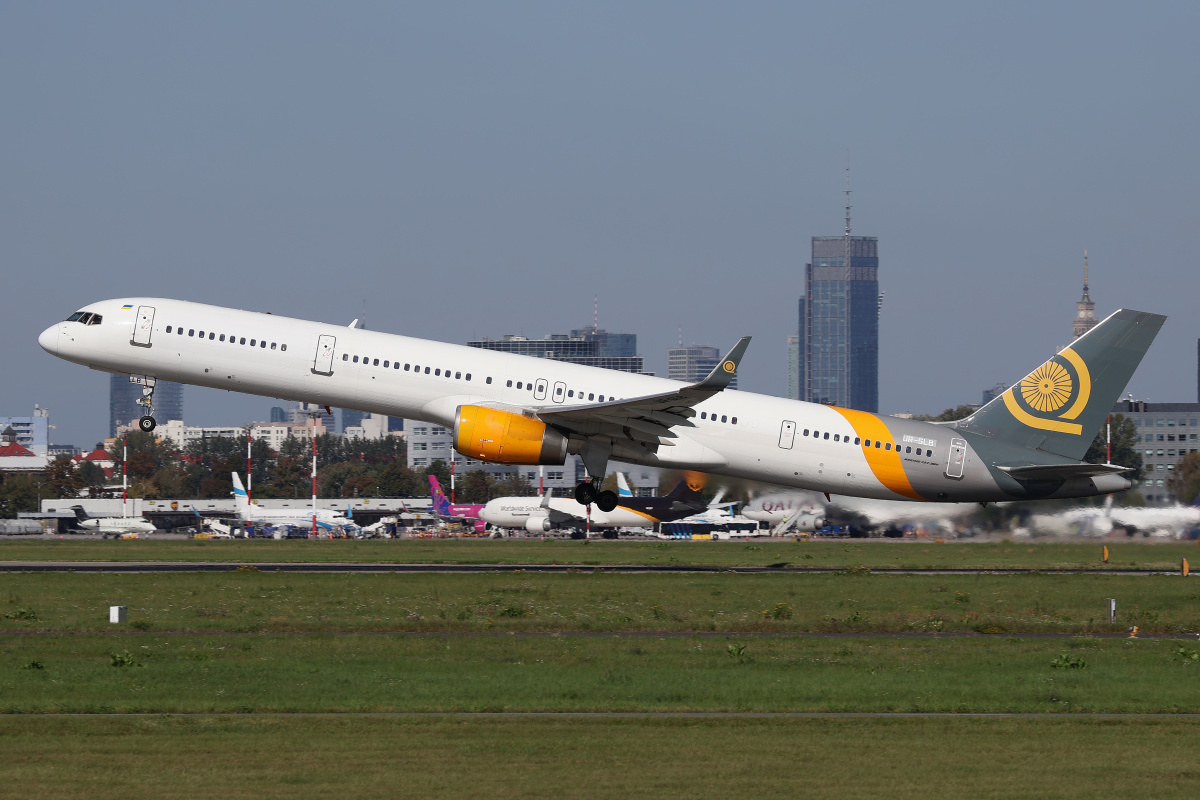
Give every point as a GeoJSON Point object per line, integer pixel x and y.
{"type": "Point", "coordinates": [143, 326]}
{"type": "Point", "coordinates": [957, 458]}
{"type": "Point", "coordinates": [560, 391]}
{"type": "Point", "coordinates": [539, 389]}
{"type": "Point", "coordinates": [787, 434]}
{"type": "Point", "coordinates": [323, 360]}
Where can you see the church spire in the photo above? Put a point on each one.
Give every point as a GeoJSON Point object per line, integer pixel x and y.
{"type": "Point", "coordinates": [1085, 309]}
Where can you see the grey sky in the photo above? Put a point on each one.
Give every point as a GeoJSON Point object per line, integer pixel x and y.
{"type": "Point", "coordinates": [474, 169]}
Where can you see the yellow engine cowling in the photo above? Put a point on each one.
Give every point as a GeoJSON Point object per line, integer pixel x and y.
{"type": "Point", "coordinates": [506, 438]}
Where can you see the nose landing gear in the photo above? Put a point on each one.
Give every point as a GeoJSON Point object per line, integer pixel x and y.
{"type": "Point", "coordinates": [147, 422]}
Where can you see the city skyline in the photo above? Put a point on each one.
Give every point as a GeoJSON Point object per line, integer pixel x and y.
{"type": "Point", "coordinates": [463, 172]}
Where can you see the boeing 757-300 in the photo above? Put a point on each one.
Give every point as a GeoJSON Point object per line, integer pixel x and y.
{"type": "Point", "coordinates": [510, 409]}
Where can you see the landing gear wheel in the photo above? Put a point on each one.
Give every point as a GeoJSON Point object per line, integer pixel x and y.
{"type": "Point", "coordinates": [146, 424]}
{"type": "Point", "coordinates": [585, 494]}
{"type": "Point", "coordinates": [606, 501]}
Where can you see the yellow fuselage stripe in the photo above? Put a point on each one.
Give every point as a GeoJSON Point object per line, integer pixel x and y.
{"type": "Point", "coordinates": [885, 464]}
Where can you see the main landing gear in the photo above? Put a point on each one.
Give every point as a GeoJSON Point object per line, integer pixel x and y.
{"type": "Point", "coordinates": [146, 423]}
{"type": "Point", "coordinates": [589, 492]}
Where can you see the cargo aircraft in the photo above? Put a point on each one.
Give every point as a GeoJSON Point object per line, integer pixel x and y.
{"type": "Point", "coordinates": [510, 409]}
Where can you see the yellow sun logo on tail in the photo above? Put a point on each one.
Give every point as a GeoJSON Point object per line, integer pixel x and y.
{"type": "Point", "coordinates": [1048, 388]}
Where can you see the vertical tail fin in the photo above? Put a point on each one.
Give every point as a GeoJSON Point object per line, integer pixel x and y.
{"type": "Point", "coordinates": [623, 486]}
{"type": "Point", "coordinates": [440, 504]}
{"type": "Point", "coordinates": [241, 500]}
{"type": "Point", "coordinates": [684, 490]}
{"type": "Point", "coordinates": [1059, 407]}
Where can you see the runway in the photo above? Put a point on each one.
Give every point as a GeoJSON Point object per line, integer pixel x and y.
{"type": "Point", "coordinates": [370, 567]}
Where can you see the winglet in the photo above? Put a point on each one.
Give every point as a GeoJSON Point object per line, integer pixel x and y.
{"type": "Point", "coordinates": [723, 373]}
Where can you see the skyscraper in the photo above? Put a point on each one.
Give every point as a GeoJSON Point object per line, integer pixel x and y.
{"type": "Point", "coordinates": [794, 367]}
{"type": "Point", "coordinates": [123, 408]}
{"type": "Point", "coordinates": [839, 322]}
{"type": "Point", "coordinates": [1085, 309]}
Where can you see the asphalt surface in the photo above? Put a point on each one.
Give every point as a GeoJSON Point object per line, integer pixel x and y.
{"type": "Point", "coordinates": [284, 566]}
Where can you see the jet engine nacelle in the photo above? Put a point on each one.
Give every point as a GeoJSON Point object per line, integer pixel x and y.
{"type": "Point", "coordinates": [502, 437]}
{"type": "Point", "coordinates": [537, 524]}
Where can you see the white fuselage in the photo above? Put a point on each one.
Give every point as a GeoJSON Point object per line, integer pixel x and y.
{"type": "Point", "coordinates": [117, 525]}
{"type": "Point", "coordinates": [735, 433]}
{"type": "Point", "coordinates": [514, 512]}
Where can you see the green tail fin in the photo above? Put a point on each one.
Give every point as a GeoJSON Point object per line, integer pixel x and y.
{"type": "Point", "coordinates": [1059, 406]}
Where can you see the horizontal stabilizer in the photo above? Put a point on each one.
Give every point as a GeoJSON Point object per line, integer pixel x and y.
{"type": "Point", "coordinates": [1062, 472]}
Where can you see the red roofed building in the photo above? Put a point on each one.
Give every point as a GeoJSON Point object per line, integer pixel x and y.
{"type": "Point", "coordinates": [15, 457]}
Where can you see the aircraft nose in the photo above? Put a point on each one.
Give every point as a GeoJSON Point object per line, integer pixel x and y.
{"type": "Point", "coordinates": [49, 340]}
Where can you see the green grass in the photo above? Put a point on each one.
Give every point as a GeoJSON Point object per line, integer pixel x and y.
{"type": "Point", "coordinates": [232, 758]}
{"type": "Point", "coordinates": [322, 673]}
{"type": "Point", "coordinates": [252, 601]}
{"type": "Point", "coordinates": [1130, 554]}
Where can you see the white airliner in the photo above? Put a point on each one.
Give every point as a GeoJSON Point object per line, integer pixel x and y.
{"type": "Point", "coordinates": [808, 511]}
{"type": "Point", "coordinates": [512, 409]}
{"type": "Point", "coordinates": [255, 514]}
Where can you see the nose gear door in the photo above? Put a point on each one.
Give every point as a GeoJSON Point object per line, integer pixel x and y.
{"type": "Point", "coordinates": [323, 360]}
{"type": "Point", "coordinates": [142, 326]}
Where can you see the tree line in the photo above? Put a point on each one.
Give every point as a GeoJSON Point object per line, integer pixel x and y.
{"type": "Point", "coordinates": [203, 469]}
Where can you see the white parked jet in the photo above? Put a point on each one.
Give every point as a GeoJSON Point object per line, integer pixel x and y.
{"type": "Point", "coordinates": [253, 513]}
{"type": "Point", "coordinates": [110, 525]}
{"type": "Point", "coordinates": [512, 409]}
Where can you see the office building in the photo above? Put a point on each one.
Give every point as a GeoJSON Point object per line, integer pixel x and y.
{"type": "Point", "coordinates": [302, 414]}
{"type": "Point", "coordinates": [278, 414]}
{"type": "Point", "coordinates": [1085, 309]}
{"type": "Point", "coordinates": [794, 379]}
{"type": "Point", "coordinates": [839, 322]}
{"type": "Point", "coordinates": [693, 364]}
{"type": "Point", "coordinates": [351, 418]}
{"type": "Point", "coordinates": [32, 432]}
{"type": "Point", "coordinates": [182, 435]}
{"type": "Point", "coordinates": [1166, 432]}
{"type": "Point", "coordinates": [593, 347]}
{"type": "Point", "coordinates": [991, 394]}
{"type": "Point", "coordinates": [123, 408]}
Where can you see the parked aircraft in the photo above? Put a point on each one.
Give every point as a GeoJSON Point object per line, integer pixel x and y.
{"type": "Point", "coordinates": [1099, 521]}
{"type": "Point", "coordinates": [809, 511]}
{"type": "Point", "coordinates": [111, 525]}
{"type": "Point", "coordinates": [540, 514]}
{"type": "Point", "coordinates": [457, 512]}
{"type": "Point", "coordinates": [253, 514]}
{"type": "Point", "coordinates": [511, 409]}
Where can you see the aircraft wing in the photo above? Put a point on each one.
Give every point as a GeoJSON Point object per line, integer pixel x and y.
{"type": "Point", "coordinates": [646, 421]}
{"type": "Point", "coordinates": [560, 516]}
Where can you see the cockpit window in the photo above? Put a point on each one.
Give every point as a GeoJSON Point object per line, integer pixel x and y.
{"type": "Point", "coordinates": [95, 320]}
{"type": "Point", "coordinates": [86, 319]}
{"type": "Point", "coordinates": [75, 317]}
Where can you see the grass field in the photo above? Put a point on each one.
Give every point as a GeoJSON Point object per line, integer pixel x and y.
{"type": "Point", "coordinates": [406, 757]}
{"type": "Point", "coordinates": [251, 643]}
{"type": "Point", "coordinates": [1124, 554]}
{"type": "Point", "coordinates": [264, 601]}
{"type": "Point", "coordinates": [322, 673]}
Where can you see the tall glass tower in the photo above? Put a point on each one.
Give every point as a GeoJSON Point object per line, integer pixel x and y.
{"type": "Point", "coordinates": [124, 410]}
{"type": "Point", "coordinates": [839, 323]}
